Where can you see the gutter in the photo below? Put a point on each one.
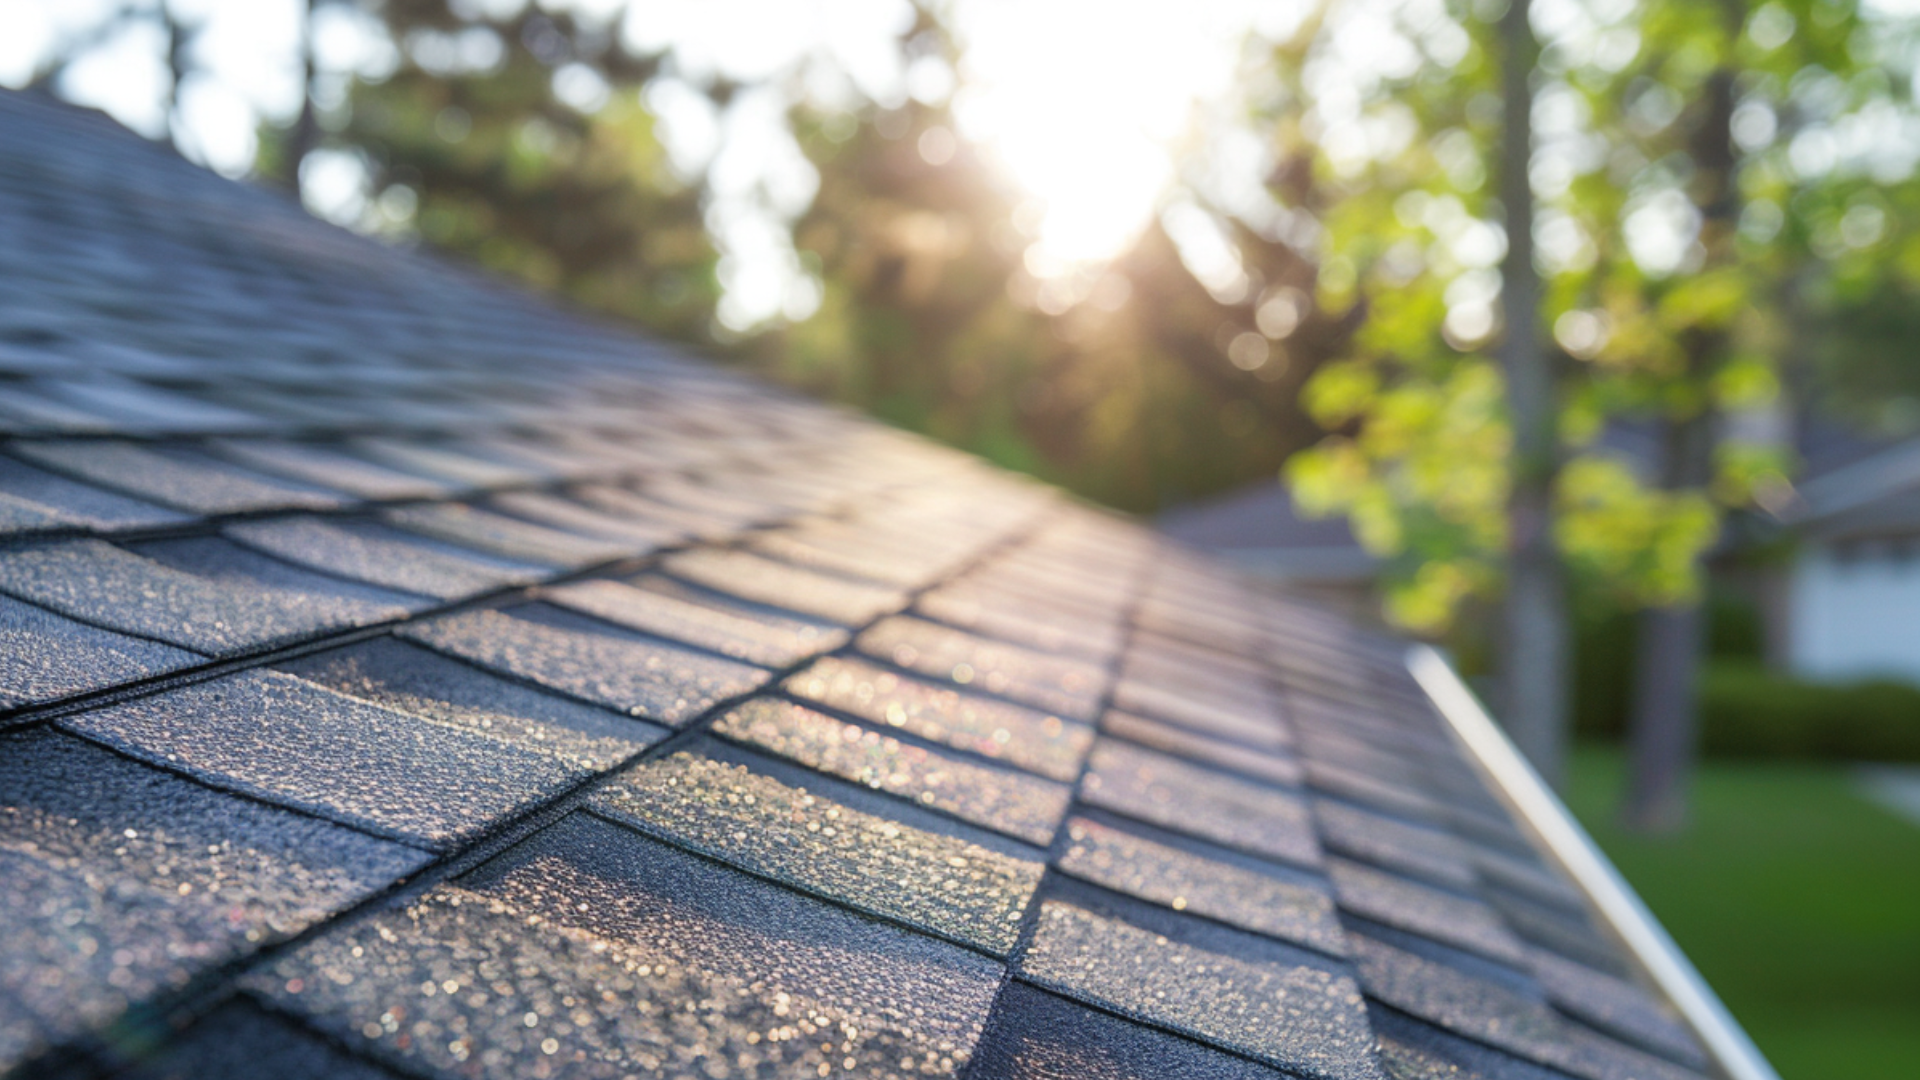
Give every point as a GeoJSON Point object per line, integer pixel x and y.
{"type": "Point", "coordinates": [1622, 910]}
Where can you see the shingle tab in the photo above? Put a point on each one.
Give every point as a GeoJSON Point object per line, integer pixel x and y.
{"type": "Point", "coordinates": [411, 679]}
{"type": "Point", "coordinates": [1302, 1018]}
{"type": "Point", "coordinates": [44, 656]}
{"type": "Point", "coordinates": [113, 587]}
{"type": "Point", "coordinates": [595, 662]}
{"type": "Point", "coordinates": [1422, 909]}
{"type": "Point", "coordinates": [1036, 1035]}
{"type": "Point", "coordinates": [1019, 736]}
{"type": "Point", "coordinates": [290, 742]}
{"type": "Point", "coordinates": [764, 581]}
{"type": "Point", "coordinates": [1058, 685]}
{"type": "Point", "coordinates": [1018, 804]}
{"type": "Point", "coordinates": [37, 499]}
{"type": "Point", "coordinates": [1263, 902]}
{"type": "Point", "coordinates": [120, 881]}
{"type": "Point", "coordinates": [878, 864]}
{"type": "Point", "coordinates": [370, 552]}
{"type": "Point", "coordinates": [1270, 766]}
{"type": "Point", "coordinates": [330, 467]}
{"type": "Point", "coordinates": [1498, 1015]}
{"type": "Point", "coordinates": [507, 537]}
{"type": "Point", "coordinates": [1173, 794]}
{"type": "Point", "coordinates": [177, 478]}
{"type": "Point", "coordinates": [242, 1039]}
{"type": "Point", "coordinates": [733, 630]}
{"type": "Point", "coordinates": [633, 959]}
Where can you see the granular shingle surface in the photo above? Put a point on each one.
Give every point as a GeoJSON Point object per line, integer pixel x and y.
{"type": "Point", "coordinates": [287, 741]}
{"type": "Point", "coordinates": [44, 656]}
{"type": "Point", "coordinates": [595, 663]}
{"type": "Point", "coordinates": [405, 678]}
{"type": "Point", "coordinates": [1032, 740]}
{"type": "Point", "coordinates": [877, 864]}
{"type": "Point", "coordinates": [1019, 804]}
{"type": "Point", "coordinates": [1308, 1019]}
{"type": "Point", "coordinates": [595, 954]}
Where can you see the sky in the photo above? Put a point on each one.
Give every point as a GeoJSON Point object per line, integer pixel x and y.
{"type": "Point", "coordinates": [1080, 103]}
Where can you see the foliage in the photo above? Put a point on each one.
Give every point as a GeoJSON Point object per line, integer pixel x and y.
{"type": "Point", "coordinates": [484, 159]}
{"type": "Point", "coordinates": [1678, 280]}
{"type": "Point", "coordinates": [1748, 712]}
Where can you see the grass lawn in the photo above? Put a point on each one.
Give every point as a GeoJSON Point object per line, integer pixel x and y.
{"type": "Point", "coordinates": [1796, 898]}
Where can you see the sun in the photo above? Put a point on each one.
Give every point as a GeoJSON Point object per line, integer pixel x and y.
{"type": "Point", "coordinates": [1080, 103]}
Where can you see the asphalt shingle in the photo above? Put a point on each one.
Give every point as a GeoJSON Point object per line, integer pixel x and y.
{"type": "Point", "coordinates": [593, 661]}
{"type": "Point", "coordinates": [1031, 740]}
{"type": "Point", "coordinates": [120, 882]}
{"type": "Point", "coordinates": [296, 744]}
{"type": "Point", "coordinates": [44, 656]}
{"type": "Point", "coordinates": [595, 952]}
{"type": "Point", "coordinates": [879, 864]}
{"type": "Point", "coordinates": [116, 588]}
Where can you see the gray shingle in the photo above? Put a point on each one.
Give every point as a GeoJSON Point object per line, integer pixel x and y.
{"type": "Point", "coordinates": [291, 742]}
{"type": "Point", "coordinates": [1020, 736]}
{"type": "Point", "coordinates": [1498, 1015]}
{"type": "Point", "coordinates": [241, 1039]}
{"type": "Point", "coordinates": [1307, 1019]}
{"type": "Point", "coordinates": [176, 477]}
{"type": "Point", "coordinates": [38, 499]}
{"type": "Point", "coordinates": [411, 679]}
{"type": "Point", "coordinates": [370, 552]}
{"type": "Point", "coordinates": [1036, 1035]}
{"type": "Point", "coordinates": [1018, 804]}
{"type": "Point", "coordinates": [1425, 910]}
{"type": "Point", "coordinates": [1263, 902]}
{"type": "Point", "coordinates": [764, 581]}
{"type": "Point", "coordinates": [1183, 797]}
{"type": "Point", "coordinates": [877, 864]}
{"type": "Point", "coordinates": [637, 535]}
{"type": "Point", "coordinates": [44, 656]}
{"type": "Point", "coordinates": [507, 537]}
{"type": "Point", "coordinates": [1059, 685]}
{"type": "Point", "coordinates": [330, 467]}
{"type": "Point", "coordinates": [114, 587]}
{"type": "Point", "coordinates": [592, 661]}
{"type": "Point", "coordinates": [633, 959]}
{"type": "Point", "coordinates": [120, 881]}
{"type": "Point", "coordinates": [1270, 766]}
{"type": "Point", "coordinates": [756, 636]}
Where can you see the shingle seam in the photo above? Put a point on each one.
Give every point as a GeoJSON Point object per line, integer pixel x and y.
{"type": "Point", "coordinates": [1182, 1034]}
{"type": "Point", "coordinates": [30, 715]}
{"type": "Point", "coordinates": [247, 796]}
{"type": "Point", "coordinates": [210, 988]}
{"type": "Point", "coordinates": [666, 839]}
{"type": "Point", "coordinates": [356, 507]}
{"type": "Point", "coordinates": [1030, 918]}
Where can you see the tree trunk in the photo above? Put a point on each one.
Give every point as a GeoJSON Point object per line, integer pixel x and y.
{"type": "Point", "coordinates": [1667, 663]}
{"type": "Point", "coordinates": [306, 129]}
{"type": "Point", "coordinates": [1667, 657]}
{"type": "Point", "coordinates": [1533, 678]}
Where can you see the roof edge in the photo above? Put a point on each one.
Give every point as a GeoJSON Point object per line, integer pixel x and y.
{"type": "Point", "coordinates": [1622, 909]}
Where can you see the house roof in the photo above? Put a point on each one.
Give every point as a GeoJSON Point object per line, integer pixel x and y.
{"type": "Point", "coordinates": [403, 678]}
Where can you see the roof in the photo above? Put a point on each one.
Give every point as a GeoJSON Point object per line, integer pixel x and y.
{"type": "Point", "coordinates": [403, 678]}
{"type": "Point", "coordinates": [1258, 528]}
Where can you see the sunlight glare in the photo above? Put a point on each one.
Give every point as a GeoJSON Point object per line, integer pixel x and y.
{"type": "Point", "coordinates": [1080, 101]}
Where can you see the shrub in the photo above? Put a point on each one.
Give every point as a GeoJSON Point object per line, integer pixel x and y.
{"type": "Point", "coordinates": [1748, 712]}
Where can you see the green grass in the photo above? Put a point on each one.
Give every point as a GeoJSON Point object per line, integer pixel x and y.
{"type": "Point", "coordinates": [1798, 900]}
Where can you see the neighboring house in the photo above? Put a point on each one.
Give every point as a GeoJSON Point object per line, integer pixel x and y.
{"type": "Point", "coordinates": [400, 677]}
{"type": "Point", "coordinates": [1846, 607]}
{"type": "Point", "coordinates": [1258, 529]}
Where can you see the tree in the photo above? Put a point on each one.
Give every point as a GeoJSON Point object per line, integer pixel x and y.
{"type": "Point", "coordinates": [471, 145]}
